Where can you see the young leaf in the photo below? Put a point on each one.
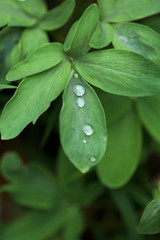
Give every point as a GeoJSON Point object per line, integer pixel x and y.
{"type": "Point", "coordinates": [120, 72]}
{"type": "Point", "coordinates": [125, 10]}
{"type": "Point", "coordinates": [58, 16]}
{"type": "Point", "coordinates": [77, 41]}
{"type": "Point", "coordinates": [12, 14]}
{"type": "Point", "coordinates": [5, 86]}
{"type": "Point", "coordinates": [43, 58]}
{"type": "Point", "coordinates": [102, 35]}
{"type": "Point", "coordinates": [137, 38]}
{"type": "Point", "coordinates": [123, 151]}
{"type": "Point", "coordinates": [43, 193]}
{"type": "Point", "coordinates": [32, 98]}
{"type": "Point", "coordinates": [149, 223]}
{"type": "Point", "coordinates": [32, 35]}
{"type": "Point", "coordinates": [82, 124]}
{"type": "Point", "coordinates": [149, 112]}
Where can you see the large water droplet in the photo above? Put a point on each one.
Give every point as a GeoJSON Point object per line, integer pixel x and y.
{"type": "Point", "coordinates": [93, 159]}
{"type": "Point", "coordinates": [87, 129]}
{"type": "Point", "coordinates": [76, 75]}
{"type": "Point", "coordinates": [80, 102]}
{"type": "Point", "coordinates": [79, 90]}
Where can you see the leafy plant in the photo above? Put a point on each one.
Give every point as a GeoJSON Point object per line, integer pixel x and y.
{"type": "Point", "coordinates": [108, 69]}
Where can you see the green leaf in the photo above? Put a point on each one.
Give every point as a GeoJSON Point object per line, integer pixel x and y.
{"type": "Point", "coordinates": [43, 58]}
{"type": "Point", "coordinates": [4, 86]}
{"type": "Point", "coordinates": [125, 137]}
{"type": "Point", "coordinates": [105, 7]}
{"type": "Point", "coordinates": [58, 16]}
{"type": "Point", "coordinates": [74, 225]}
{"type": "Point", "coordinates": [77, 41]}
{"type": "Point", "coordinates": [125, 10]}
{"type": "Point", "coordinates": [120, 72]}
{"type": "Point", "coordinates": [12, 14]}
{"type": "Point", "coordinates": [36, 8]}
{"type": "Point", "coordinates": [114, 106]}
{"type": "Point", "coordinates": [32, 35]}
{"type": "Point", "coordinates": [36, 225]}
{"type": "Point", "coordinates": [139, 39]}
{"type": "Point", "coordinates": [43, 193]}
{"type": "Point", "coordinates": [102, 35]}
{"type": "Point", "coordinates": [32, 98]}
{"type": "Point", "coordinates": [8, 38]}
{"type": "Point", "coordinates": [149, 112]}
{"type": "Point", "coordinates": [149, 223]}
{"type": "Point", "coordinates": [82, 124]}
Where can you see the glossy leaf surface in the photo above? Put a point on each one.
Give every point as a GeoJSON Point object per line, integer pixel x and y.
{"type": "Point", "coordinates": [149, 112]}
{"type": "Point", "coordinates": [82, 127]}
{"type": "Point", "coordinates": [58, 16]}
{"type": "Point", "coordinates": [77, 41]}
{"type": "Point", "coordinates": [123, 151]}
{"type": "Point", "coordinates": [149, 223]}
{"type": "Point", "coordinates": [120, 72]}
{"type": "Point", "coordinates": [26, 105]}
{"type": "Point", "coordinates": [137, 38]}
{"type": "Point", "coordinates": [41, 59]}
{"type": "Point", "coordinates": [125, 10]}
{"type": "Point", "coordinates": [102, 36]}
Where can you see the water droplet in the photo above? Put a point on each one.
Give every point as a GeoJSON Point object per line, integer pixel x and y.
{"type": "Point", "coordinates": [80, 102]}
{"type": "Point", "coordinates": [76, 75]}
{"type": "Point", "coordinates": [21, 0]}
{"type": "Point", "coordinates": [84, 141]}
{"type": "Point", "coordinates": [87, 129]}
{"type": "Point", "coordinates": [79, 90]}
{"type": "Point", "coordinates": [93, 159]}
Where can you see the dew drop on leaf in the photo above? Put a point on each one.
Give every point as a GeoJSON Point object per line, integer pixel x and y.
{"type": "Point", "coordinates": [76, 75]}
{"type": "Point", "coordinates": [79, 90]}
{"type": "Point", "coordinates": [93, 159]}
{"type": "Point", "coordinates": [87, 129]}
{"type": "Point", "coordinates": [80, 102]}
{"type": "Point", "coordinates": [84, 141]}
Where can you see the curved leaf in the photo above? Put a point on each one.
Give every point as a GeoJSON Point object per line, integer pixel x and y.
{"type": "Point", "coordinates": [41, 59]}
{"type": "Point", "coordinates": [58, 16]}
{"type": "Point", "coordinates": [77, 41]}
{"type": "Point", "coordinates": [149, 223]}
{"type": "Point", "coordinates": [78, 141]}
{"type": "Point", "coordinates": [123, 152]}
{"type": "Point", "coordinates": [149, 112]}
{"type": "Point", "coordinates": [32, 98]}
{"type": "Point", "coordinates": [125, 10]}
{"type": "Point", "coordinates": [102, 36]}
{"type": "Point", "coordinates": [137, 38]}
{"type": "Point", "coordinates": [120, 72]}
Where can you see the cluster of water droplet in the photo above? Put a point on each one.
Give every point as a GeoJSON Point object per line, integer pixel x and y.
{"type": "Point", "coordinates": [87, 129]}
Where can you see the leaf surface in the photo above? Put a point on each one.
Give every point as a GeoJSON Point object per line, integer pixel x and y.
{"type": "Point", "coordinates": [32, 98]}
{"type": "Point", "coordinates": [43, 58]}
{"type": "Point", "coordinates": [83, 127]}
{"type": "Point", "coordinates": [123, 151]}
{"type": "Point", "coordinates": [120, 72]}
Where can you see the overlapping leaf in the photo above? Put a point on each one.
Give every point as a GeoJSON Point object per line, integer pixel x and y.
{"type": "Point", "coordinates": [120, 72]}
{"type": "Point", "coordinates": [32, 98]}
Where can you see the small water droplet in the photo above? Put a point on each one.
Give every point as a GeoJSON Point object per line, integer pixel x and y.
{"type": "Point", "coordinates": [21, 0]}
{"type": "Point", "coordinates": [80, 102]}
{"type": "Point", "coordinates": [79, 90]}
{"type": "Point", "coordinates": [87, 129]}
{"type": "Point", "coordinates": [93, 159]}
{"type": "Point", "coordinates": [84, 141]}
{"type": "Point", "coordinates": [76, 75]}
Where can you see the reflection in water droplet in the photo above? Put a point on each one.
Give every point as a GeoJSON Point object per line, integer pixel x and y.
{"type": "Point", "coordinates": [87, 129]}
{"type": "Point", "coordinates": [79, 90]}
{"type": "Point", "coordinates": [93, 159]}
{"type": "Point", "coordinates": [76, 75]}
{"type": "Point", "coordinates": [84, 141]}
{"type": "Point", "coordinates": [80, 102]}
